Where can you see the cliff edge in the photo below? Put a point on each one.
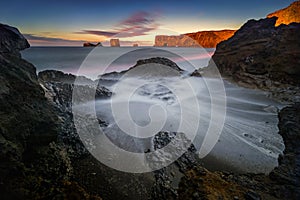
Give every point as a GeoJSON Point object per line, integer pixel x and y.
{"type": "Point", "coordinates": [287, 15]}
{"type": "Point", "coordinates": [261, 55]}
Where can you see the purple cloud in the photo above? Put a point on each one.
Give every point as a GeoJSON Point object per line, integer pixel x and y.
{"type": "Point", "coordinates": [139, 18]}
{"type": "Point", "coordinates": [140, 23]}
{"type": "Point", "coordinates": [100, 33]}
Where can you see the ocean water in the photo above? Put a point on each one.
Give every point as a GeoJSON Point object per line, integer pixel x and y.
{"type": "Point", "coordinates": [249, 140]}
{"type": "Point", "coordinates": [96, 61]}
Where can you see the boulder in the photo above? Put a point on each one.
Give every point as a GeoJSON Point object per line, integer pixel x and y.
{"type": "Point", "coordinates": [11, 40]}
{"type": "Point", "coordinates": [159, 61]}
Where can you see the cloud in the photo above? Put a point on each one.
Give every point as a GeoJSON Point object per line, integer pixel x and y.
{"type": "Point", "coordinates": [138, 24]}
{"type": "Point", "coordinates": [139, 18]}
{"type": "Point", "coordinates": [95, 32]}
{"type": "Point", "coordinates": [130, 43]}
{"type": "Point", "coordinates": [49, 41]}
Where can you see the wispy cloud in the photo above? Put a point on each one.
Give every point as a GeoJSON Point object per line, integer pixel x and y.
{"type": "Point", "coordinates": [138, 24]}
{"type": "Point", "coordinates": [49, 41]}
{"type": "Point", "coordinates": [139, 18]}
{"type": "Point", "coordinates": [95, 32]}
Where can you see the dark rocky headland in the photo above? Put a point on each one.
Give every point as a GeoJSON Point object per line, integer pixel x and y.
{"type": "Point", "coordinates": [42, 156]}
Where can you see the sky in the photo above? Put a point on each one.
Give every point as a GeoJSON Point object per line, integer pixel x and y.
{"type": "Point", "coordinates": [70, 23]}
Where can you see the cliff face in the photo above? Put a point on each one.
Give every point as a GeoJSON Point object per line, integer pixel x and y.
{"type": "Point", "coordinates": [287, 15]}
{"type": "Point", "coordinates": [206, 39]}
{"type": "Point", "coordinates": [260, 55]}
{"type": "Point", "coordinates": [210, 39]}
{"type": "Point", "coordinates": [174, 41]}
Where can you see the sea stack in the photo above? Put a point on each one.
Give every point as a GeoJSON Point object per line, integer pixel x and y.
{"type": "Point", "coordinates": [88, 44]}
{"type": "Point", "coordinates": [114, 43]}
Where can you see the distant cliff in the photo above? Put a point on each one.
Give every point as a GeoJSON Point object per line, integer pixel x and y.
{"type": "Point", "coordinates": [206, 39]}
{"type": "Point", "coordinates": [287, 15]}
{"type": "Point", "coordinates": [114, 43]}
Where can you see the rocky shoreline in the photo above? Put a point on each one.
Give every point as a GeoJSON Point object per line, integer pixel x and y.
{"type": "Point", "coordinates": [42, 156]}
{"type": "Point", "coordinates": [263, 54]}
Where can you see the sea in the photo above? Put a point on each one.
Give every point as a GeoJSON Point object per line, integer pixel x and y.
{"type": "Point", "coordinates": [248, 140]}
{"type": "Point", "coordinates": [97, 61]}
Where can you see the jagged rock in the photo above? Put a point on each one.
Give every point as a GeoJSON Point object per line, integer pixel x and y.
{"type": "Point", "coordinates": [287, 15]}
{"type": "Point", "coordinates": [288, 171]}
{"type": "Point", "coordinates": [59, 88]}
{"type": "Point", "coordinates": [115, 76]}
{"type": "Point", "coordinates": [260, 55]}
{"type": "Point", "coordinates": [61, 77]}
{"type": "Point", "coordinates": [205, 39]}
{"type": "Point", "coordinates": [165, 179]}
{"type": "Point", "coordinates": [28, 122]}
{"type": "Point", "coordinates": [11, 40]}
{"type": "Point", "coordinates": [196, 73]}
{"type": "Point", "coordinates": [61, 85]}
{"type": "Point", "coordinates": [34, 163]}
{"type": "Point", "coordinates": [159, 60]}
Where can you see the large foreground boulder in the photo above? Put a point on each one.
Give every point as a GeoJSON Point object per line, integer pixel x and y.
{"type": "Point", "coordinates": [263, 56]}
{"type": "Point", "coordinates": [34, 164]}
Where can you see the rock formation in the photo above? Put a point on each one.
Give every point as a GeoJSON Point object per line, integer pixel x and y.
{"type": "Point", "coordinates": [210, 39]}
{"type": "Point", "coordinates": [28, 126]}
{"type": "Point", "coordinates": [206, 39]}
{"type": "Point", "coordinates": [287, 15]}
{"type": "Point", "coordinates": [260, 55]}
{"type": "Point", "coordinates": [88, 44]}
{"type": "Point", "coordinates": [34, 132]}
{"type": "Point", "coordinates": [114, 43]}
{"type": "Point", "coordinates": [156, 60]}
{"type": "Point", "coordinates": [11, 40]}
{"type": "Point", "coordinates": [42, 156]}
{"type": "Point", "coordinates": [26, 116]}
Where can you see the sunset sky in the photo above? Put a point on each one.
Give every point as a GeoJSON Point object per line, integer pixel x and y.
{"type": "Point", "coordinates": [70, 23]}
